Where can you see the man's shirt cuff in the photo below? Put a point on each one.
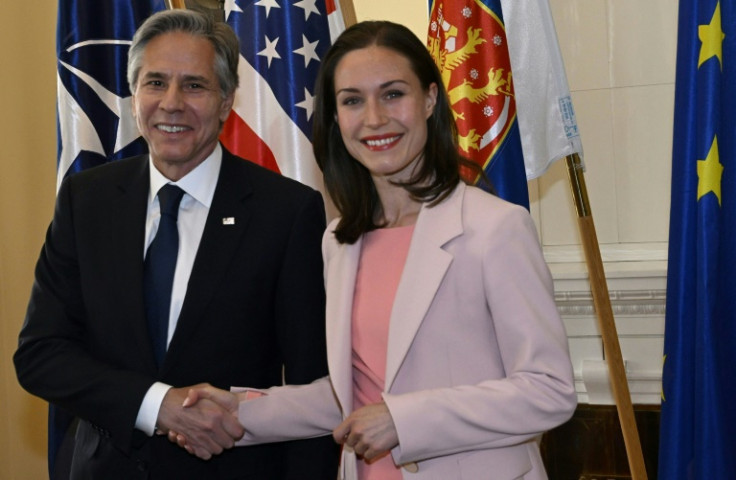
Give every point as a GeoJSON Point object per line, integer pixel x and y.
{"type": "Point", "coordinates": [148, 413]}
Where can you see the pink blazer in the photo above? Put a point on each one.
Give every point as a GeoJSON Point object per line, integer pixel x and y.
{"type": "Point", "coordinates": [477, 365]}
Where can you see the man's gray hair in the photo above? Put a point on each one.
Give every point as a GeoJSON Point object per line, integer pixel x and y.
{"type": "Point", "coordinates": [219, 34]}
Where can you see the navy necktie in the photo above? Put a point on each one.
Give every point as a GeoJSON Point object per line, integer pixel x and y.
{"type": "Point", "coordinates": [158, 269]}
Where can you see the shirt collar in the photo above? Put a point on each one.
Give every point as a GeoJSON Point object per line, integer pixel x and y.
{"type": "Point", "coordinates": [200, 183]}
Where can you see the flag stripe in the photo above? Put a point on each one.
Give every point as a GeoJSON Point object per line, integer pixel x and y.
{"type": "Point", "coordinates": [242, 141]}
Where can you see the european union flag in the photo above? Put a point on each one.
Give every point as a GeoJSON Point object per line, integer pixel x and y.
{"type": "Point", "coordinates": [699, 379]}
{"type": "Point", "coordinates": [95, 124]}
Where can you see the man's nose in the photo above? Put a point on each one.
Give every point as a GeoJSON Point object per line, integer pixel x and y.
{"type": "Point", "coordinates": [172, 99]}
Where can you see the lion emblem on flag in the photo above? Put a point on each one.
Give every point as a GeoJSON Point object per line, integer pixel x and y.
{"type": "Point", "coordinates": [476, 70]}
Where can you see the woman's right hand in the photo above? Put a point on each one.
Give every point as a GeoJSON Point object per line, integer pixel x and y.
{"type": "Point", "coordinates": [227, 400]}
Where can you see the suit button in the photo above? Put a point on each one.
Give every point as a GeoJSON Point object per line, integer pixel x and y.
{"type": "Point", "coordinates": [142, 467]}
{"type": "Point", "coordinates": [412, 467]}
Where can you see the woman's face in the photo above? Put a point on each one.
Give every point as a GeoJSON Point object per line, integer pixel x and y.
{"type": "Point", "coordinates": [382, 111]}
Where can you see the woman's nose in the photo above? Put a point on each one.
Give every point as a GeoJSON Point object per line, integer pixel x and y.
{"type": "Point", "coordinates": [375, 114]}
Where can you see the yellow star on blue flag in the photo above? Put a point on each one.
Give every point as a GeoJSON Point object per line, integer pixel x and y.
{"type": "Point", "coordinates": [711, 37]}
{"type": "Point", "coordinates": [710, 171]}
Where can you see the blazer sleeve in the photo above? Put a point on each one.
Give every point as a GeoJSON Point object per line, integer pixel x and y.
{"type": "Point", "coordinates": [535, 394]}
{"type": "Point", "coordinates": [53, 360]}
{"type": "Point", "coordinates": [290, 412]}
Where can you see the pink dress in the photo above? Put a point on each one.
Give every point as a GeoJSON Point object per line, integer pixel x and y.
{"type": "Point", "coordinates": [382, 260]}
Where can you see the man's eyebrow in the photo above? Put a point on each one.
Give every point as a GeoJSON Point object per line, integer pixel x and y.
{"type": "Point", "coordinates": [186, 78]}
{"type": "Point", "coordinates": [153, 75]}
{"type": "Point", "coordinates": [196, 78]}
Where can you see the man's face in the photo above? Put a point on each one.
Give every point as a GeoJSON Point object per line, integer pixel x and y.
{"type": "Point", "coordinates": [177, 103]}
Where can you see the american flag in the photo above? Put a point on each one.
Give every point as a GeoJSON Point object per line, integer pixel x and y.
{"type": "Point", "coordinates": [281, 44]}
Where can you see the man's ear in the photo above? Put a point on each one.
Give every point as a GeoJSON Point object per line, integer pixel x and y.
{"type": "Point", "coordinates": [226, 106]}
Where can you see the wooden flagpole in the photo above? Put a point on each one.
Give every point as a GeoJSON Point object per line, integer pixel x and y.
{"type": "Point", "coordinates": [606, 323]}
{"type": "Point", "coordinates": [348, 12]}
{"type": "Point", "coordinates": [170, 4]}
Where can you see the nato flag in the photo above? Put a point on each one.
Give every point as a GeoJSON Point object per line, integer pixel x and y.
{"type": "Point", "coordinates": [95, 124]}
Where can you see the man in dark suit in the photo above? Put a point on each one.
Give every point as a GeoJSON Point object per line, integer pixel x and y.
{"type": "Point", "coordinates": [244, 299]}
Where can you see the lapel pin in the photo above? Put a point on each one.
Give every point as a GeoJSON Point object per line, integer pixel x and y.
{"type": "Point", "coordinates": [228, 220]}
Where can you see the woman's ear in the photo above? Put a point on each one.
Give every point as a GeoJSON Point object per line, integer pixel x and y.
{"type": "Point", "coordinates": [431, 99]}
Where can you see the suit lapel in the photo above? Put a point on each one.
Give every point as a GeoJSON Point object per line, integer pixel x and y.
{"type": "Point", "coordinates": [423, 272]}
{"type": "Point", "coordinates": [220, 240]}
{"type": "Point", "coordinates": [341, 275]}
{"type": "Point", "coordinates": [127, 226]}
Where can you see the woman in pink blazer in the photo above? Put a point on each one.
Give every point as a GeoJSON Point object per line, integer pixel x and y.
{"type": "Point", "coordinates": [447, 356]}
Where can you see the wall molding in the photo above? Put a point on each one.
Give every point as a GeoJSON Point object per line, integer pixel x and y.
{"type": "Point", "coordinates": [637, 290]}
{"type": "Point", "coordinates": [618, 252]}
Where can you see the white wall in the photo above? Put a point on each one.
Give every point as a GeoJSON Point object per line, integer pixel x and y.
{"type": "Point", "coordinates": [620, 61]}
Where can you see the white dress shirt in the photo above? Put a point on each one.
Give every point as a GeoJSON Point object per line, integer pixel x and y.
{"type": "Point", "coordinates": [199, 188]}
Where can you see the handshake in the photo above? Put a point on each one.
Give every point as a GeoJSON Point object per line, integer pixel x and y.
{"type": "Point", "coordinates": [204, 420]}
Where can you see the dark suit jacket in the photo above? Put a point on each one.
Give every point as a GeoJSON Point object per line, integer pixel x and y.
{"type": "Point", "coordinates": [254, 303]}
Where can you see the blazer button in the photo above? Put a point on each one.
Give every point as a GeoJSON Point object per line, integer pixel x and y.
{"type": "Point", "coordinates": [412, 467]}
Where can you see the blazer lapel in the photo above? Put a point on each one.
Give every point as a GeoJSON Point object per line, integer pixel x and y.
{"type": "Point", "coordinates": [340, 285]}
{"type": "Point", "coordinates": [218, 244]}
{"type": "Point", "coordinates": [424, 270]}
